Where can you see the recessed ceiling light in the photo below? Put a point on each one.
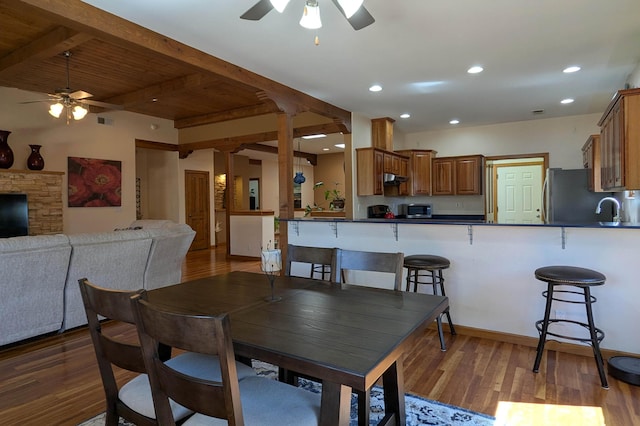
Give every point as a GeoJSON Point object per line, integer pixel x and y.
{"type": "Point", "coordinates": [319, 135]}
{"type": "Point", "coordinates": [475, 69]}
{"type": "Point", "coordinates": [571, 69]}
{"type": "Point", "coordinates": [566, 101]}
{"type": "Point", "coordinates": [340, 145]}
{"type": "Point", "coordinates": [375, 88]}
{"type": "Point", "coordinates": [325, 149]}
{"type": "Point", "coordinates": [454, 121]}
{"type": "Point", "coordinates": [405, 115]}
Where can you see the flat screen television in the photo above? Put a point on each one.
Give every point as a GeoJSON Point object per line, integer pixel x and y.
{"type": "Point", "coordinates": [14, 215]}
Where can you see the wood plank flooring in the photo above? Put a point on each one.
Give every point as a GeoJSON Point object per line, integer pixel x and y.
{"type": "Point", "coordinates": [55, 380]}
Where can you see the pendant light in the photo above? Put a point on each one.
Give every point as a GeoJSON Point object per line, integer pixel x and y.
{"type": "Point", "coordinates": [299, 177]}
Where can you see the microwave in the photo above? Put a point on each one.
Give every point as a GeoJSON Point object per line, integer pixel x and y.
{"type": "Point", "coordinates": [415, 211]}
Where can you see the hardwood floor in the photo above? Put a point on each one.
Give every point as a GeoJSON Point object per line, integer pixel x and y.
{"type": "Point", "coordinates": [55, 380]}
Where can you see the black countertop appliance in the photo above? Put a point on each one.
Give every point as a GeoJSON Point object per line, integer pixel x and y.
{"type": "Point", "coordinates": [377, 211]}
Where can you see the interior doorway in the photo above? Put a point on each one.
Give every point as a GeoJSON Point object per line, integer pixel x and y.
{"type": "Point", "coordinates": [254, 194]}
{"type": "Point", "coordinates": [514, 188]}
{"type": "Point", "coordinates": [197, 209]}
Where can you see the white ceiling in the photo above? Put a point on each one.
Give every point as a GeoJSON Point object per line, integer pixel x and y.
{"type": "Point", "coordinates": [419, 51]}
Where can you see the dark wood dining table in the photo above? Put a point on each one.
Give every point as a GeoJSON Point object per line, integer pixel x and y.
{"type": "Point", "coordinates": [348, 336]}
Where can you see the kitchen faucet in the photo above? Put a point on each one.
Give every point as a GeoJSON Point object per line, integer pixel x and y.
{"type": "Point", "coordinates": [616, 216]}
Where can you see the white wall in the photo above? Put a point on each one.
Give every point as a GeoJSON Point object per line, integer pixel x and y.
{"type": "Point", "coordinates": [31, 124]}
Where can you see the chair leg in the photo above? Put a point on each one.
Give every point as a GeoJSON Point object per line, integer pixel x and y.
{"type": "Point", "coordinates": [441, 282]}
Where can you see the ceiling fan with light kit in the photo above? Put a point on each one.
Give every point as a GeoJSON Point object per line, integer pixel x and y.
{"type": "Point", "coordinates": [353, 10]}
{"type": "Point", "coordinates": [72, 101]}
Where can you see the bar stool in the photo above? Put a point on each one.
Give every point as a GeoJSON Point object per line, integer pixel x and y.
{"type": "Point", "coordinates": [580, 278]}
{"type": "Point", "coordinates": [427, 266]}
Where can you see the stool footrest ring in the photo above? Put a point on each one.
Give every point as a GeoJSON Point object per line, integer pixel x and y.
{"type": "Point", "coordinates": [599, 332]}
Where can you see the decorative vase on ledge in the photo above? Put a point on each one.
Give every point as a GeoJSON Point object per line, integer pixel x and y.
{"type": "Point", "coordinates": [35, 160]}
{"type": "Point", "coordinates": [6, 154]}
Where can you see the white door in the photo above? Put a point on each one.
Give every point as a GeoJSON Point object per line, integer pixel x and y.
{"type": "Point", "coordinates": [519, 193]}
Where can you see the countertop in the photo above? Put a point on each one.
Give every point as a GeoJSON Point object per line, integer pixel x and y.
{"type": "Point", "coordinates": [472, 220]}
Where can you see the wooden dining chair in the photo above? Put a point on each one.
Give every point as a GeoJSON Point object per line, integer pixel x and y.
{"type": "Point", "coordinates": [133, 400]}
{"type": "Point", "coordinates": [321, 260]}
{"type": "Point", "coordinates": [216, 401]}
{"type": "Point", "coordinates": [391, 263]}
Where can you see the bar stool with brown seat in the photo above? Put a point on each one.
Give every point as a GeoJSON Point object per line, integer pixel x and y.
{"type": "Point", "coordinates": [581, 279]}
{"type": "Point", "coordinates": [430, 267]}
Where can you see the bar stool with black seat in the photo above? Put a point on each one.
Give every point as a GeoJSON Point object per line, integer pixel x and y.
{"type": "Point", "coordinates": [581, 279]}
{"type": "Point", "coordinates": [429, 267]}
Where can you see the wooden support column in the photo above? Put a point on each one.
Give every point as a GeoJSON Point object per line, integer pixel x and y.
{"type": "Point", "coordinates": [285, 175]}
{"type": "Point", "coordinates": [229, 196]}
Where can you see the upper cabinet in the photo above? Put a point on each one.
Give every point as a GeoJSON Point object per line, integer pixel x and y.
{"type": "Point", "coordinates": [591, 162]}
{"type": "Point", "coordinates": [419, 173]}
{"type": "Point", "coordinates": [382, 133]}
{"type": "Point", "coordinates": [457, 175]}
{"type": "Point", "coordinates": [372, 164]}
{"type": "Point", "coordinates": [620, 142]}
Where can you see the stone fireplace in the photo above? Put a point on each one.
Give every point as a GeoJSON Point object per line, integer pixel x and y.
{"type": "Point", "coordinates": [44, 195]}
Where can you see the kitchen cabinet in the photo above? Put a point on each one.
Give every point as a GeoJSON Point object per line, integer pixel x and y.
{"type": "Point", "coordinates": [372, 164]}
{"type": "Point", "coordinates": [457, 175]}
{"type": "Point", "coordinates": [591, 161]}
{"type": "Point", "coordinates": [382, 133]}
{"type": "Point", "coordinates": [419, 173]}
{"type": "Point", "coordinates": [620, 142]}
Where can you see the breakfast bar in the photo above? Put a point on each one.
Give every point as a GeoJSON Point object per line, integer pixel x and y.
{"type": "Point", "coordinates": [491, 284]}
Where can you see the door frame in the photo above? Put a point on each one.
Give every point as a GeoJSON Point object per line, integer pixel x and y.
{"type": "Point", "coordinates": [489, 166]}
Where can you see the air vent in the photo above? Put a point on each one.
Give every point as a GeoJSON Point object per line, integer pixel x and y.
{"type": "Point", "coordinates": [537, 111]}
{"type": "Point", "coordinates": [106, 121]}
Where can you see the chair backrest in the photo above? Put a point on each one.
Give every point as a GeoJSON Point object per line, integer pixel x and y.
{"type": "Point", "coordinates": [370, 261]}
{"type": "Point", "coordinates": [209, 335]}
{"type": "Point", "coordinates": [110, 350]}
{"type": "Point", "coordinates": [315, 256]}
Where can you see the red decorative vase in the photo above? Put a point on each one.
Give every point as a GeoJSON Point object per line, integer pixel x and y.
{"type": "Point", "coordinates": [6, 154]}
{"type": "Point", "coordinates": [35, 160]}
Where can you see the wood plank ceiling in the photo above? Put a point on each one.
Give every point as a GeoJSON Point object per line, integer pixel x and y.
{"type": "Point", "coordinates": [142, 71]}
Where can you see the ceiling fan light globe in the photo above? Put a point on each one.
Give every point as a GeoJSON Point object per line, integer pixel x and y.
{"type": "Point", "coordinates": [79, 112]}
{"type": "Point", "coordinates": [56, 109]}
{"type": "Point", "coordinates": [279, 5]}
{"type": "Point", "coordinates": [311, 17]}
{"type": "Point", "coordinates": [350, 6]}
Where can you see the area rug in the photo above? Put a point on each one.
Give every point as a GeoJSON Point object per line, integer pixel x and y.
{"type": "Point", "coordinates": [420, 411]}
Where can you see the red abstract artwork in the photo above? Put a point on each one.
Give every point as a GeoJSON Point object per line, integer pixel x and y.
{"type": "Point", "coordinates": [94, 183]}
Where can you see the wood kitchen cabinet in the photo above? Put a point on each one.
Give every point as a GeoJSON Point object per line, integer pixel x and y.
{"type": "Point", "coordinates": [457, 175]}
{"type": "Point", "coordinates": [372, 164]}
{"type": "Point", "coordinates": [620, 142]}
{"type": "Point", "coordinates": [419, 172]}
{"type": "Point", "coordinates": [591, 161]}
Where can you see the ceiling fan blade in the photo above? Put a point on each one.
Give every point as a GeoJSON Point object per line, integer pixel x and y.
{"type": "Point", "coordinates": [80, 94]}
{"type": "Point", "coordinates": [362, 18]}
{"type": "Point", "coordinates": [33, 102]}
{"type": "Point", "coordinates": [101, 104]}
{"type": "Point", "coordinates": [258, 10]}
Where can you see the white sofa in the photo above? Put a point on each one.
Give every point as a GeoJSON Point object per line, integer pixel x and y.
{"type": "Point", "coordinates": [39, 276]}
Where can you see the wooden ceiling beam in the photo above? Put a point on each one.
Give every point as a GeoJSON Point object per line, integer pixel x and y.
{"type": "Point", "coordinates": [233, 114]}
{"type": "Point", "coordinates": [311, 158]}
{"type": "Point", "coordinates": [110, 28]}
{"type": "Point", "coordinates": [164, 88]}
{"type": "Point", "coordinates": [234, 143]}
{"type": "Point", "coordinates": [53, 43]}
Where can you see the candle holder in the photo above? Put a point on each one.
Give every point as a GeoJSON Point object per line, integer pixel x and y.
{"type": "Point", "coordinates": [271, 266]}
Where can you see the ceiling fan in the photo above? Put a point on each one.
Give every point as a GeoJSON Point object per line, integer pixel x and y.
{"type": "Point", "coordinates": [72, 101]}
{"type": "Point", "coordinates": [353, 10]}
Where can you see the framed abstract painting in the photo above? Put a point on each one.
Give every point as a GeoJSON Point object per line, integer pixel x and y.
{"type": "Point", "coordinates": [94, 183]}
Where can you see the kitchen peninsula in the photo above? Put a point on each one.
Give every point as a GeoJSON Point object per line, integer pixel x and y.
{"type": "Point", "coordinates": [491, 283]}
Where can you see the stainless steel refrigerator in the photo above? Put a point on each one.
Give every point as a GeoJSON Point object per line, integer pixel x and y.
{"type": "Point", "coordinates": [566, 198]}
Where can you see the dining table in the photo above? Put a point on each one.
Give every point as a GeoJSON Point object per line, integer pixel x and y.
{"type": "Point", "coordinates": [347, 336]}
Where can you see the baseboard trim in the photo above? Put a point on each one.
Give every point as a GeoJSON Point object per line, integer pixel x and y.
{"type": "Point", "coordinates": [517, 339]}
